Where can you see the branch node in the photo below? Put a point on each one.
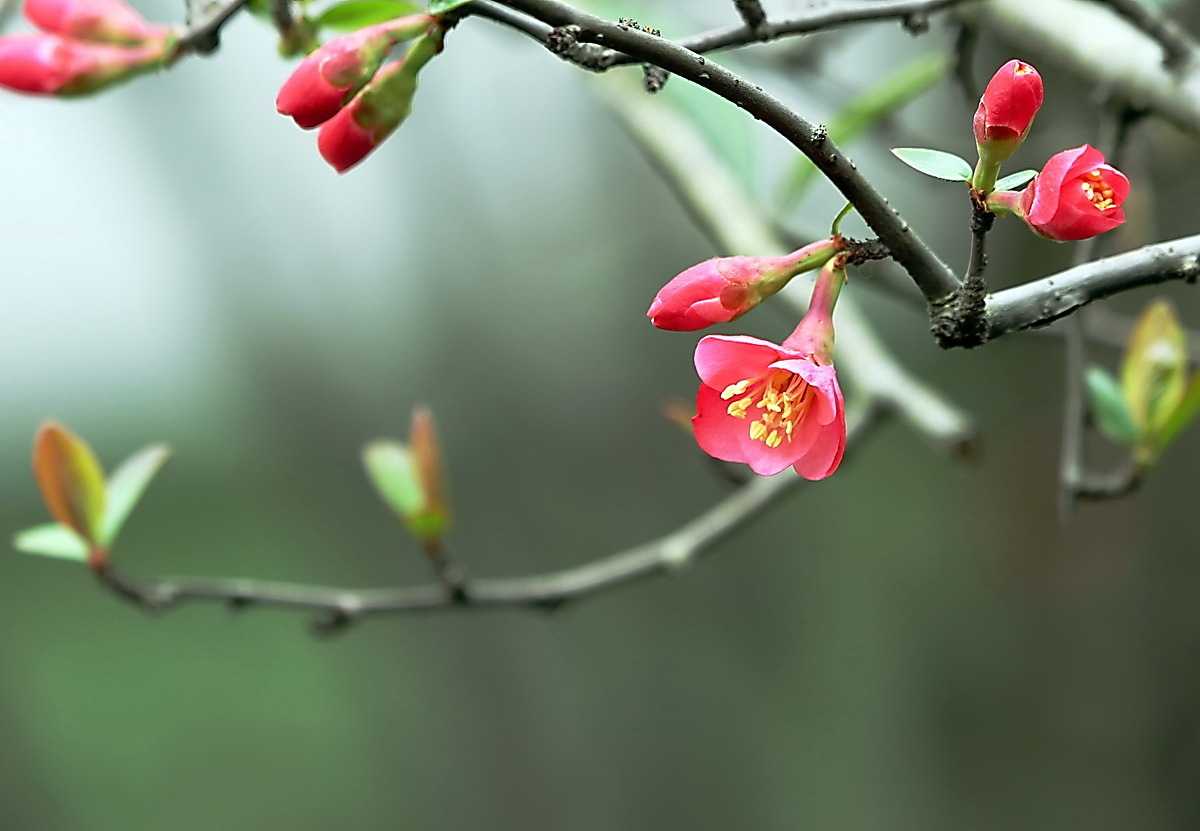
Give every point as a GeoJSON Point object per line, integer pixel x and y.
{"type": "Point", "coordinates": [654, 78]}
{"type": "Point", "coordinates": [561, 39]}
{"type": "Point", "coordinates": [916, 23]}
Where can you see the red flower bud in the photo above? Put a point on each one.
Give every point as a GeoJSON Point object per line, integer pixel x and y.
{"type": "Point", "coordinates": [1076, 196]}
{"type": "Point", "coordinates": [52, 65]}
{"type": "Point", "coordinates": [1009, 104]}
{"type": "Point", "coordinates": [114, 21]}
{"type": "Point", "coordinates": [724, 288]}
{"type": "Point", "coordinates": [376, 112]}
{"type": "Point", "coordinates": [330, 76]}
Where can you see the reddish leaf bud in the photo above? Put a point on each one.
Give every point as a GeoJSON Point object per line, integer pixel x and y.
{"type": "Point", "coordinates": [1076, 196]}
{"type": "Point", "coordinates": [724, 288]}
{"type": "Point", "coordinates": [330, 76]}
{"type": "Point", "coordinates": [113, 21]}
{"type": "Point", "coordinates": [53, 65]}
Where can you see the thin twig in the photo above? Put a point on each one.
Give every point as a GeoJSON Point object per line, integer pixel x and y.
{"type": "Point", "coordinates": [933, 276]}
{"type": "Point", "coordinates": [203, 38]}
{"type": "Point", "coordinates": [337, 607]}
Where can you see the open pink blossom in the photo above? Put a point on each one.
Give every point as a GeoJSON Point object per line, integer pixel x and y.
{"type": "Point", "coordinates": [769, 406]}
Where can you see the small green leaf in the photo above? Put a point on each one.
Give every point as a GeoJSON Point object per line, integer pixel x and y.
{"type": "Point", "coordinates": [443, 6]}
{"type": "Point", "coordinates": [1181, 417]}
{"type": "Point", "coordinates": [392, 470]}
{"type": "Point", "coordinates": [1014, 180]}
{"type": "Point", "coordinates": [52, 540]}
{"type": "Point", "coordinates": [935, 163]}
{"type": "Point", "coordinates": [1108, 405]}
{"type": "Point", "coordinates": [126, 486]}
{"type": "Point", "coordinates": [71, 480]}
{"type": "Point", "coordinates": [351, 15]}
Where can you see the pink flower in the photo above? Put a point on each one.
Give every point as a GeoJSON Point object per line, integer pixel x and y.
{"type": "Point", "coordinates": [114, 21]}
{"type": "Point", "coordinates": [1076, 196]}
{"type": "Point", "coordinates": [53, 65]}
{"type": "Point", "coordinates": [329, 77]}
{"type": "Point", "coordinates": [768, 406]}
{"type": "Point", "coordinates": [725, 288]}
{"type": "Point", "coordinates": [1009, 104]}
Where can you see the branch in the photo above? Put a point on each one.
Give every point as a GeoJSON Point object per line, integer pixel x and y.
{"type": "Point", "coordinates": [203, 38]}
{"type": "Point", "coordinates": [808, 22]}
{"type": "Point", "coordinates": [549, 591]}
{"type": "Point", "coordinates": [752, 13]}
{"type": "Point", "coordinates": [932, 275]}
{"type": "Point", "coordinates": [1177, 47]}
{"type": "Point", "coordinates": [1044, 301]}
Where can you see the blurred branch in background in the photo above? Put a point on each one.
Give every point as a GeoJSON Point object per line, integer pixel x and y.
{"type": "Point", "coordinates": [1178, 47]}
{"type": "Point", "coordinates": [1097, 45]}
{"type": "Point", "coordinates": [341, 607]}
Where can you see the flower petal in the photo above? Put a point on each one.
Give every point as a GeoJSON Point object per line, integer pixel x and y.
{"type": "Point", "coordinates": [823, 378]}
{"type": "Point", "coordinates": [718, 433]}
{"type": "Point", "coordinates": [722, 360]}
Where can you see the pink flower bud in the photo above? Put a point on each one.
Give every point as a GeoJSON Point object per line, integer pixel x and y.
{"type": "Point", "coordinates": [1076, 196]}
{"type": "Point", "coordinates": [1008, 106]}
{"type": "Point", "coordinates": [330, 76]}
{"type": "Point", "coordinates": [724, 288]}
{"type": "Point", "coordinates": [113, 21]}
{"type": "Point", "coordinates": [377, 110]}
{"type": "Point", "coordinates": [52, 65]}
{"type": "Point", "coordinates": [768, 406]}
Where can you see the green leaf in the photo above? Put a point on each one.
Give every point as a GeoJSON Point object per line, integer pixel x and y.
{"type": "Point", "coordinates": [52, 540]}
{"type": "Point", "coordinates": [1181, 417]}
{"type": "Point", "coordinates": [391, 469]}
{"type": "Point", "coordinates": [867, 110]}
{"type": "Point", "coordinates": [71, 480]}
{"type": "Point", "coordinates": [351, 15]}
{"type": "Point", "coordinates": [1014, 180]}
{"type": "Point", "coordinates": [443, 6]}
{"type": "Point", "coordinates": [126, 486]}
{"type": "Point", "coordinates": [935, 163]}
{"type": "Point", "coordinates": [1109, 407]}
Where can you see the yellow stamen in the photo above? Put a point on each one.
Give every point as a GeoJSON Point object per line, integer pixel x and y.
{"type": "Point", "coordinates": [736, 389]}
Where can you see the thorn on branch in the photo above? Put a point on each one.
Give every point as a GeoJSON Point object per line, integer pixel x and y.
{"type": "Point", "coordinates": [916, 23]}
{"type": "Point", "coordinates": [654, 78]}
{"type": "Point", "coordinates": [333, 622]}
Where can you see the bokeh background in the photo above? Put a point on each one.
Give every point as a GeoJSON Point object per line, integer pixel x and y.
{"type": "Point", "coordinates": [917, 643]}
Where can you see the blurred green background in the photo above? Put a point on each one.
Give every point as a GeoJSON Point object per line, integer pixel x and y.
{"type": "Point", "coordinates": [915, 643]}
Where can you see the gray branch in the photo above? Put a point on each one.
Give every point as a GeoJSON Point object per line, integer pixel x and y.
{"type": "Point", "coordinates": [751, 12]}
{"type": "Point", "coordinates": [935, 279]}
{"type": "Point", "coordinates": [1178, 48]}
{"type": "Point", "coordinates": [338, 607]}
{"type": "Point", "coordinates": [1044, 301]}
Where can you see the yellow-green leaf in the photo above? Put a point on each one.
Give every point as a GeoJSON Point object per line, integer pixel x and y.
{"type": "Point", "coordinates": [52, 540]}
{"type": "Point", "coordinates": [71, 480]}
{"type": "Point", "coordinates": [1154, 374]}
{"type": "Point", "coordinates": [126, 486]}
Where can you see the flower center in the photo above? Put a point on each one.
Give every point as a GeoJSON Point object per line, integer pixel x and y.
{"type": "Point", "coordinates": [783, 399]}
{"type": "Point", "coordinates": [1023, 69]}
{"type": "Point", "coordinates": [1098, 191]}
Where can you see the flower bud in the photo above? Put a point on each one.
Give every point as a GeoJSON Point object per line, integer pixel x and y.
{"type": "Point", "coordinates": [1076, 196]}
{"type": "Point", "coordinates": [725, 288]}
{"type": "Point", "coordinates": [376, 112]}
{"type": "Point", "coordinates": [112, 21]}
{"type": "Point", "coordinates": [53, 65]}
{"type": "Point", "coordinates": [330, 76]}
{"type": "Point", "coordinates": [1006, 112]}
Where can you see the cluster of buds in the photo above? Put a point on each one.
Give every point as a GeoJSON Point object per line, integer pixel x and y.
{"type": "Point", "coordinates": [84, 45]}
{"type": "Point", "coordinates": [770, 406]}
{"type": "Point", "coordinates": [1075, 196]}
{"type": "Point", "coordinates": [342, 88]}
